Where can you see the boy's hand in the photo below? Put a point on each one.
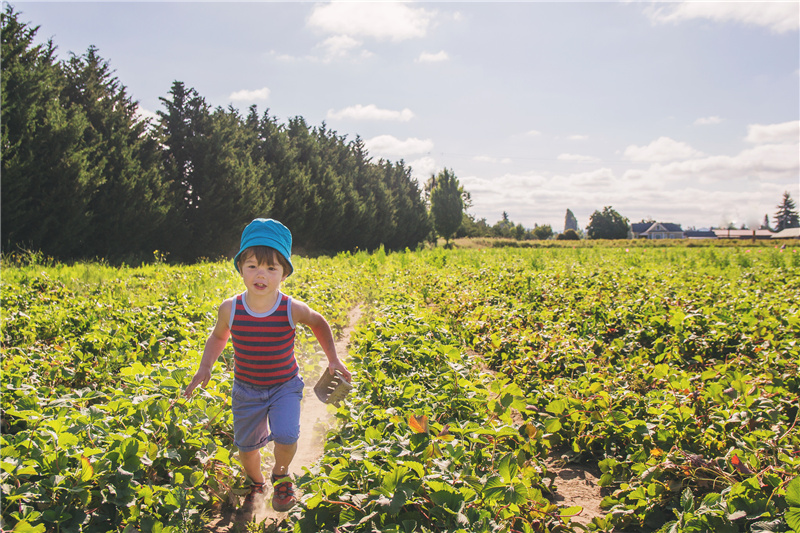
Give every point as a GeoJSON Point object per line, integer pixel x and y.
{"type": "Point", "coordinates": [203, 375]}
{"type": "Point", "coordinates": [338, 365]}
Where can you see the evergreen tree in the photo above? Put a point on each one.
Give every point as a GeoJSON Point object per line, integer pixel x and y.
{"type": "Point", "coordinates": [786, 216]}
{"type": "Point", "coordinates": [216, 187]}
{"type": "Point", "coordinates": [607, 224]}
{"type": "Point", "coordinates": [570, 222]}
{"type": "Point", "coordinates": [447, 204]}
{"type": "Point", "coordinates": [47, 182]}
{"type": "Point", "coordinates": [128, 208]}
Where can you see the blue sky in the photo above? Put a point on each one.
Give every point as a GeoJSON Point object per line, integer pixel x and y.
{"type": "Point", "coordinates": [683, 112]}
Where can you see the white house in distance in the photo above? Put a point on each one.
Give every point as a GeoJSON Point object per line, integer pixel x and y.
{"type": "Point", "coordinates": [656, 230]}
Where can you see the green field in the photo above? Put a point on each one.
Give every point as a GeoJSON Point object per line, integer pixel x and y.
{"type": "Point", "coordinates": [674, 369]}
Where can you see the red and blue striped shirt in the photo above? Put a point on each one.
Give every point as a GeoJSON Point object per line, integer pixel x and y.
{"type": "Point", "coordinates": [263, 343]}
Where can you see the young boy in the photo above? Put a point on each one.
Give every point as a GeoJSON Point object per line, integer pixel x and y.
{"type": "Point", "coordinates": [267, 387]}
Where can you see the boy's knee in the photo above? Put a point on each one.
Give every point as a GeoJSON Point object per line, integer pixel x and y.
{"type": "Point", "coordinates": [286, 437]}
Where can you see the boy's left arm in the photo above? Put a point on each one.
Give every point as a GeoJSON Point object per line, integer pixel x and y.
{"type": "Point", "coordinates": [303, 314]}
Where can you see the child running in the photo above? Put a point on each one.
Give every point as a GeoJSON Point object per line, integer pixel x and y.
{"type": "Point", "coordinates": [267, 386]}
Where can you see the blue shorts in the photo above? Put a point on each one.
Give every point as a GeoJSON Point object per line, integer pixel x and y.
{"type": "Point", "coordinates": [262, 414]}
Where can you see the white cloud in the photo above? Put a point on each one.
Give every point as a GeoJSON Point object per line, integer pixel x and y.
{"type": "Point", "coordinates": [338, 46]}
{"type": "Point", "coordinates": [660, 150]}
{"type": "Point", "coordinates": [578, 137]}
{"type": "Point", "coordinates": [766, 162]}
{"type": "Point", "coordinates": [785, 132]}
{"type": "Point", "coordinates": [389, 146]}
{"type": "Point", "coordinates": [706, 121]}
{"type": "Point", "coordinates": [780, 17]}
{"type": "Point", "coordinates": [533, 133]}
{"type": "Point", "coordinates": [578, 158]}
{"type": "Point", "coordinates": [249, 96]}
{"type": "Point", "coordinates": [145, 114]}
{"type": "Point", "coordinates": [601, 178]}
{"type": "Point", "coordinates": [427, 57]}
{"type": "Point", "coordinates": [378, 20]}
{"type": "Point", "coordinates": [422, 168]}
{"type": "Point", "coordinates": [370, 112]}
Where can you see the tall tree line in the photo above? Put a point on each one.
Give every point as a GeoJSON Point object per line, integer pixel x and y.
{"type": "Point", "coordinates": [83, 176]}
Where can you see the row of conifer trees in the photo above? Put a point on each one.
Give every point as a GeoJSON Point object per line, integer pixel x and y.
{"type": "Point", "coordinates": [83, 176]}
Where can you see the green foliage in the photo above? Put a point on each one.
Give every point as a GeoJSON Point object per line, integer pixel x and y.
{"type": "Point", "coordinates": [569, 235]}
{"type": "Point", "coordinates": [543, 232]}
{"type": "Point", "coordinates": [607, 224]}
{"type": "Point", "coordinates": [473, 369]}
{"type": "Point", "coordinates": [447, 205]}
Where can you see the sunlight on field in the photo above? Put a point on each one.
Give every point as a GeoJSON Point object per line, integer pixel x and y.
{"type": "Point", "coordinates": [672, 369]}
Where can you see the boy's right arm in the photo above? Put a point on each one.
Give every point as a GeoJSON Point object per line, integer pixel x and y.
{"type": "Point", "coordinates": [214, 345]}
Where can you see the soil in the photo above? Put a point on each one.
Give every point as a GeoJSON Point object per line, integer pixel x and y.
{"type": "Point", "coordinates": [315, 420]}
{"type": "Point", "coordinates": [576, 484]}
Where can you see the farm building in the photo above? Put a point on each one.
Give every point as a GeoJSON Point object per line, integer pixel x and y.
{"type": "Point", "coordinates": [699, 234]}
{"type": "Point", "coordinates": [788, 233]}
{"type": "Point", "coordinates": [656, 230]}
{"type": "Point", "coordinates": [743, 233]}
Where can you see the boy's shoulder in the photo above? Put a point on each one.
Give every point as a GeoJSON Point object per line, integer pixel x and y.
{"type": "Point", "coordinates": [226, 306]}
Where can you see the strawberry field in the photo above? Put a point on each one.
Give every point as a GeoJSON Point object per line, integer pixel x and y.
{"type": "Point", "coordinates": [674, 370]}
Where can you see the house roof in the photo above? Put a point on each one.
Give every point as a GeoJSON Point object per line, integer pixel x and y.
{"type": "Point", "coordinates": [669, 226]}
{"type": "Point", "coordinates": [788, 233]}
{"type": "Point", "coordinates": [645, 227]}
{"type": "Point", "coordinates": [742, 233]}
{"type": "Point", "coordinates": [705, 234]}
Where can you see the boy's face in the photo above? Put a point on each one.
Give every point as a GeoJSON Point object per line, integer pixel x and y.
{"type": "Point", "coordinates": [262, 278]}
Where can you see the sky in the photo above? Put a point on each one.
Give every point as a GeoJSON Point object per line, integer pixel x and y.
{"type": "Point", "coordinates": [685, 112]}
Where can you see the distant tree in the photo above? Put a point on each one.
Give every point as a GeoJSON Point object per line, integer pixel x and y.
{"type": "Point", "coordinates": [786, 216]}
{"type": "Point", "coordinates": [765, 224]}
{"type": "Point", "coordinates": [607, 224]}
{"type": "Point", "coordinates": [569, 235]}
{"type": "Point", "coordinates": [570, 222]}
{"type": "Point", "coordinates": [466, 197]}
{"type": "Point", "coordinates": [473, 228]}
{"type": "Point", "coordinates": [503, 228]}
{"type": "Point", "coordinates": [447, 204]}
{"type": "Point", "coordinates": [543, 232]}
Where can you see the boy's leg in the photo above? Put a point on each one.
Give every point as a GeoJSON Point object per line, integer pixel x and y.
{"type": "Point", "coordinates": [284, 453]}
{"type": "Point", "coordinates": [284, 422]}
{"type": "Point", "coordinates": [251, 462]}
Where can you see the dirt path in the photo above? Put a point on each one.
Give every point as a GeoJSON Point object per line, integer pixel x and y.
{"type": "Point", "coordinates": [576, 484]}
{"type": "Point", "coordinates": [315, 420]}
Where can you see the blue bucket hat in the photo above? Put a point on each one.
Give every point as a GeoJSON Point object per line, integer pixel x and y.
{"type": "Point", "coordinates": [267, 232]}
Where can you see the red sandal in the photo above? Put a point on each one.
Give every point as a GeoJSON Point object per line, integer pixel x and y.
{"type": "Point", "coordinates": [283, 498]}
{"type": "Point", "coordinates": [254, 499]}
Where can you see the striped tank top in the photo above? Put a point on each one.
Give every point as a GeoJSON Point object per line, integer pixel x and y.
{"type": "Point", "coordinates": [263, 343]}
